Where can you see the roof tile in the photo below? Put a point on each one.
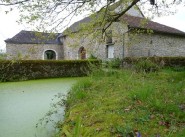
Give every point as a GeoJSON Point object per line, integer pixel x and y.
{"type": "Point", "coordinates": [137, 22]}
{"type": "Point", "coordinates": [33, 37]}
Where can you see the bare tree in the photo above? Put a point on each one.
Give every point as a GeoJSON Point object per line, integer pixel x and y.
{"type": "Point", "coordinates": [57, 14]}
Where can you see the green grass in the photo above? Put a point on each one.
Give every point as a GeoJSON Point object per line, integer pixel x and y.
{"type": "Point", "coordinates": [122, 102]}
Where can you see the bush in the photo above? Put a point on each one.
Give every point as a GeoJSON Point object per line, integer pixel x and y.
{"type": "Point", "coordinates": [114, 63]}
{"type": "Point", "coordinates": [161, 61]}
{"type": "Point", "coordinates": [34, 69]}
{"type": "Point", "coordinates": [92, 57]}
{"type": "Point", "coordinates": [146, 66]}
{"type": "Point", "coordinates": [3, 56]}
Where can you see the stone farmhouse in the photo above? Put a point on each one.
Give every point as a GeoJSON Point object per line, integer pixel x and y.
{"type": "Point", "coordinates": [30, 45]}
{"type": "Point", "coordinates": [130, 36]}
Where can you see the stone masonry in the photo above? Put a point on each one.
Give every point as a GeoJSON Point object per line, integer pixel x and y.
{"type": "Point", "coordinates": [156, 45]}
{"type": "Point", "coordinates": [32, 51]}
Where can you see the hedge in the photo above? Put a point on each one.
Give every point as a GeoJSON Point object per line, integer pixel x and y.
{"type": "Point", "coordinates": [163, 61]}
{"type": "Point", "coordinates": [36, 69]}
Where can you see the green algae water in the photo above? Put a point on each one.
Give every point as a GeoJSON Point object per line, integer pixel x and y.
{"type": "Point", "coordinates": [23, 104]}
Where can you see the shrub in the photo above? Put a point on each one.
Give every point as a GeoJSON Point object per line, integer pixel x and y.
{"type": "Point", "coordinates": [178, 68]}
{"type": "Point", "coordinates": [92, 57]}
{"type": "Point", "coordinates": [114, 63]}
{"type": "Point", "coordinates": [3, 56]}
{"type": "Point", "coordinates": [162, 61]}
{"type": "Point", "coordinates": [34, 69]}
{"type": "Point", "coordinates": [146, 66]}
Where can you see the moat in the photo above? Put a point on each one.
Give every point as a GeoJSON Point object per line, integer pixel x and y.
{"type": "Point", "coordinates": [23, 104]}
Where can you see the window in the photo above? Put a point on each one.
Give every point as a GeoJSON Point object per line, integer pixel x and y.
{"type": "Point", "coordinates": [82, 53]}
{"type": "Point", "coordinates": [49, 55]}
{"type": "Point", "coordinates": [108, 37]}
{"type": "Point", "coordinates": [110, 51]}
{"type": "Point", "coordinates": [109, 43]}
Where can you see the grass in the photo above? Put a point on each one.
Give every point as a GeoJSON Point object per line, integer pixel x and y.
{"type": "Point", "coordinates": [121, 103]}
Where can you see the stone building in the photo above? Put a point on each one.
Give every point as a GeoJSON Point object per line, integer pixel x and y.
{"type": "Point", "coordinates": [131, 36]}
{"type": "Point", "coordinates": [31, 45]}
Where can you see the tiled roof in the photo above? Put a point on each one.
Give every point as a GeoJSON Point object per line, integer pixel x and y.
{"type": "Point", "coordinates": [76, 26]}
{"type": "Point", "coordinates": [32, 37]}
{"type": "Point", "coordinates": [141, 23]}
{"type": "Point", "coordinates": [135, 22]}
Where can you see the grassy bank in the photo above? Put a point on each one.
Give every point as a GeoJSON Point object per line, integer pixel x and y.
{"type": "Point", "coordinates": [125, 103]}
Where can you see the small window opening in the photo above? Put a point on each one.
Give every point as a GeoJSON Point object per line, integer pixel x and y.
{"type": "Point", "coordinates": [49, 55]}
{"type": "Point", "coordinates": [108, 37]}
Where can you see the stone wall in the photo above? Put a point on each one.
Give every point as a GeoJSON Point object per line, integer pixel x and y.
{"type": "Point", "coordinates": [127, 45]}
{"type": "Point", "coordinates": [92, 46]}
{"type": "Point", "coordinates": [95, 46]}
{"type": "Point", "coordinates": [155, 45]}
{"type": "Point", "coordinates": [32, 51]}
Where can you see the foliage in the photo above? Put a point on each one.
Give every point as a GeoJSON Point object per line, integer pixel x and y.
{"type": "Point", "coordinates": [3, 56]}
{"type": "Point", "coordinates": [124, 103]}
{"type": "Point", "coordinates": [177, 68]}
{"type": "Point", "coordinates": [92, 57]}
{"type": "Point", "coordinates": [146, 66]}
{"type": "Point", "coordinates": [114, 63]}
{"type": "Point", "coordinates": [55, 13]}
{"type": "Point", "coordinates": [34, 69]}
{"type": "Point", "coordinates": [161, 61]}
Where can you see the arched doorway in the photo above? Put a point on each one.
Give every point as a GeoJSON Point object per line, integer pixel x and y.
{"type": "Point", "coordinates": [49, 55]}
{"type": "Point", "coordinates": [82, 53]}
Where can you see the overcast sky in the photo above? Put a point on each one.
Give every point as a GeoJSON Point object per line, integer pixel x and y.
{"type": "Point", "coordinates": [9, 27]}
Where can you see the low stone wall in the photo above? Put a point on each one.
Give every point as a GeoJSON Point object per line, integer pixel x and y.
{"type": "Point", "coordinates": [35, 69]}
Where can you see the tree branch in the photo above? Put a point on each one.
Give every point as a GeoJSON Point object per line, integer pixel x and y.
{"type": "Point", "coordinates": [134, 2]}
{"type": "Point", "coordinates": [15, 3]}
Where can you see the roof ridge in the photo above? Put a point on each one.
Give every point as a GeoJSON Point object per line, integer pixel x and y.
{"type": "Point", "coordinates": [155, 22]}
{"type": "Point", "coordinates": [135, 22]}
{"type": "Point", "coordinates": [39, 32]}
{"type": "Point", "coordinates": [31, 37]}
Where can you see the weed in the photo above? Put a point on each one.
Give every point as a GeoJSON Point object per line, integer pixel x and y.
{"type": "Point", "coordinates": [146, 66]}
{"type": "Point", "coordinates": [126, 131]}
{"type": "Point", "coordinates": [115, 63]}
{"type": "Point", "coordinates": [92, 57]}
{"type": "Point", "coordinates": [143, 93]}
{"type": "Point", "coordinates": [78, 130]}
{"type": "Point", "coordinates": [114, 103]}
{"type": "Point", "coordinates": [80, 90]}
